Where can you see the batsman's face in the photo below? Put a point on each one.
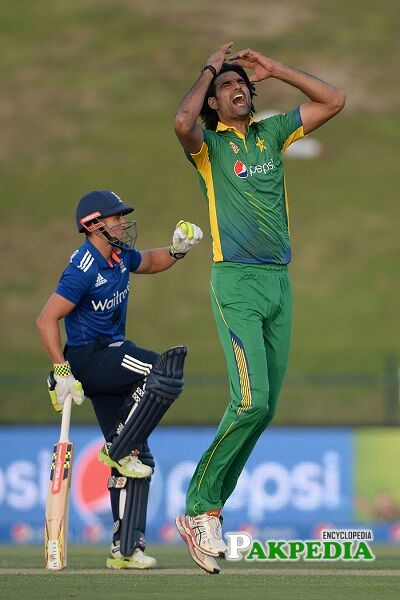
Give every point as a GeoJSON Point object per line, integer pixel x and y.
{"type": "Point", "coordinates": [117, 225]}
{"type": "Point", "coordinates": [232, 97]}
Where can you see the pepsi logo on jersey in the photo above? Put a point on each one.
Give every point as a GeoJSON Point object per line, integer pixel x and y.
{"type": "Point", "coordinates": [242, 171]}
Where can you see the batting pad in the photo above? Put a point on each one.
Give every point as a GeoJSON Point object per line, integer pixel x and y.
{"type": "Point", "coordinates": [133, 517]}
{"type": "Point", "coordinates": [163, 385]}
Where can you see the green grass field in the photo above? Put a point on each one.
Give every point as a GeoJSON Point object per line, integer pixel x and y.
{"type": "Point", "coordinates": [88, 96]}
{"type": "Point", "coordinates": [23, 576]}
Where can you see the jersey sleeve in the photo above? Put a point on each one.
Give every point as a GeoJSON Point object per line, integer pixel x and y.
{"type": "Point", "coordinates": [135, 258]}
{"type": "Point", "coordinates": [208, 148]}
{"type": "Point", "coordinates": [75, 283]}
{"type": "Point", "coordinates": [285, 128]}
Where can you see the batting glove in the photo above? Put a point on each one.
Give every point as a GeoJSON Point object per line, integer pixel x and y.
{"type": "Point", "coordinates": [61, 382]}
{"type": "Point", "coordinates": [186, 235]}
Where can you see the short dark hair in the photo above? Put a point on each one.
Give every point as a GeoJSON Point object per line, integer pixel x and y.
{"type": "Point", "coordinates": [208, 115]}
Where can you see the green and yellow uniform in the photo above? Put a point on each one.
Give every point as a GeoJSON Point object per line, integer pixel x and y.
{"type": "Point", "coordinates": [243, 180]}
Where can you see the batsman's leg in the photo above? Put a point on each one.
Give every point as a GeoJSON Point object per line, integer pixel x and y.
{"type": "Point", "coordinates": [163, 385]}
{"type": "Point", "coordinates": [109, 372]}
{"type": "Point", "coordinates": [130, 465]}
{"type": "Point", "coordinates": [129, 498]}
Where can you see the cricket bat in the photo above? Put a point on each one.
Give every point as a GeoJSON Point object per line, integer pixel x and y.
{"type": "Point", "coordinates": [57, 503]}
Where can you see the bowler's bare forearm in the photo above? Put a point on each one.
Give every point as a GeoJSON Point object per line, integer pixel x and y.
{"type": "Point", "coordinates": [314, 88]}
{"type": "Point", "coordinates": [191, 105]}
{"type": "Point", "coordinates": [188, 131]}
{"type": "Point", "coordinates": [325, 100]}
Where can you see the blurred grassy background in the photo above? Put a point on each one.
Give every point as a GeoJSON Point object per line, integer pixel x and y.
{"type": "Point", "coordinates": [89, 89]}
{"type": "Point", "coordinates": [378, 493]}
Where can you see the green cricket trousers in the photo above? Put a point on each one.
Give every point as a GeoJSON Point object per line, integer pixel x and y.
{"type": "Point", "coordinates": [252, 308]}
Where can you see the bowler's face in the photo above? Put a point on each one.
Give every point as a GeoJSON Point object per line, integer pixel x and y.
{"type": "Point", "coordinates": [232, 97]}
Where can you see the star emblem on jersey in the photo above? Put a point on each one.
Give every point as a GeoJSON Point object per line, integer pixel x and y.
{"type": "Point", "coordinates": [261, 144]}
{"type": "Point", "coordinates": [100, 281]}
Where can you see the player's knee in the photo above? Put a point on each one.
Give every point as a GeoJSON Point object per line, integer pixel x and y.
{"type": "Point", "coordinates": [260, 402]}
{"type": "Point", "coordinates": [134, 396]}
{"type": "Point", "coordinates": [260, 411]}
{"type": "Point", "coordinates": [163, 386]}
{"type": "Point", "coordinates": [270, 409]}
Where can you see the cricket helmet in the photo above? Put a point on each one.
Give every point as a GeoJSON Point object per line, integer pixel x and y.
{"type": "Point", "coordinates": [100, 204]}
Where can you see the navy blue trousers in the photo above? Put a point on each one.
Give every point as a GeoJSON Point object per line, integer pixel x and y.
{"type": "Point", "coordinates": [109, 372]}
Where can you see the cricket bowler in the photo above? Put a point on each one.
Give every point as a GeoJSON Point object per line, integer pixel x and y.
{"type": "Point", "coordinates": [130, 387]}
{"type": "Point", "coordinates": [240, 170]}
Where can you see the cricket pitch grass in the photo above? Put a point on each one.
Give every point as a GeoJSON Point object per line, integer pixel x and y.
{"type": "Point", "coordinates": [22, 575]}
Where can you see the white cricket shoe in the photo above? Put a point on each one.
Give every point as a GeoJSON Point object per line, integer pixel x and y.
{"type": "Point", "coordinates": [205, 531]}
{"type": "Point", "coordinates": [130, 465]}
{"type": "Point", "coordinates": [138, 560]}
{"type": "Point", "coordinates": [203, 560]}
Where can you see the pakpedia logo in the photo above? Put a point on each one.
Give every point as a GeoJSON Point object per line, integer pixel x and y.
{"type": "Point", "coordinates": [240, 169]}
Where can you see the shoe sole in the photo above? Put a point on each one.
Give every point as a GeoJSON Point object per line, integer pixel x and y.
{"type": "Point", "coordinates": [119, 564]}
{"type": "Point", "coordinates": [190, 532]}
{"type": "Point", "coordinates": [194, 552]}
{"type": "Point", "coordinates": [106, 460]}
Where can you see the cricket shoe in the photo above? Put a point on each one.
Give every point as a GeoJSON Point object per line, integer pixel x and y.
{"type": "Point", "coordinates": [138, 560]}
{"type": "Point", "coordinates": [203, 560]}
{"type": "Point", "coordinates": [130, 465]}
{"type": "Point", "coordinates": [205, 533]}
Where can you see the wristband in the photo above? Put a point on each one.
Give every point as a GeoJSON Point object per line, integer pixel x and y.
{"type": "Point", "coordinates": [210, 68]}
{"type": "Point", "coordinates": [176, 255]}
{"type": "Point", "coordinates": [62, 369]}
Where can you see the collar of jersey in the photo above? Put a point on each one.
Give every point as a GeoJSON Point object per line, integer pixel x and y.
{"type": "Point", "coordinates": [103, 262]}
{"type": "Point", "coordinates": [223, 127]}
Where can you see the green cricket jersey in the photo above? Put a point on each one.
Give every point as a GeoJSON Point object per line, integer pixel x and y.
{"type": "Point", "coordinates": [243, 180]}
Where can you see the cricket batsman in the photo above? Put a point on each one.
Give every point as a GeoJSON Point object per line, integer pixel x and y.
{"type": "Point", "coordinates": [130, 387]}
{"type": "Point", "coordinates": [240, 171]}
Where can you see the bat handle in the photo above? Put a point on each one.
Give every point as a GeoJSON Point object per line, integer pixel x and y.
{"type": "Point", "coordinates": [66, 418]}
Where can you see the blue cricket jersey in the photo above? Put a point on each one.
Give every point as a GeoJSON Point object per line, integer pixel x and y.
{"type": "Point", "coordinates": [100, 290]}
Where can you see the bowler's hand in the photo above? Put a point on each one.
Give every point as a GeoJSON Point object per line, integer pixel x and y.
{"type": "Point", "coordinates": [263, 67]}
{"type": "Point", "coordinates": [186, 235]}
{"type": "Point", "coordinates": [60, 383]}
{"type": "Point", "coordinates": [218, 57]}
